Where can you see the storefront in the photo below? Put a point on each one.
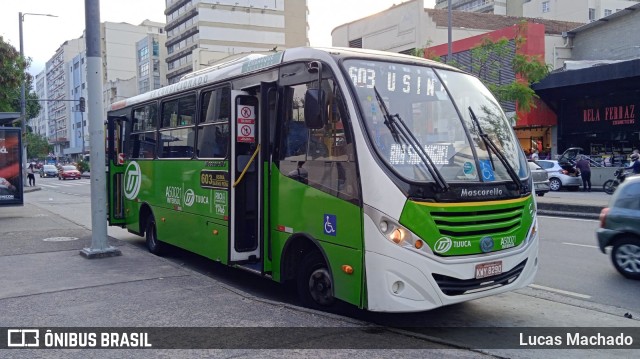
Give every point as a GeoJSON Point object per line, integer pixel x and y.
{"type": "Point", "coordinates": [597, 109]}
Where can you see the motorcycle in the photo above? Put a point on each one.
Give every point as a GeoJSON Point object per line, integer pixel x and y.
{"type": "Point", "coordinates": [611, 185]}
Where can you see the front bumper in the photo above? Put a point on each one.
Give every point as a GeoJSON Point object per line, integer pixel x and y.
{"type": "Point", "coordinates": [403, 281]}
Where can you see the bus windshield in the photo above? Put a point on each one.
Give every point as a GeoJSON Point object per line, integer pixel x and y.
{"type": "Point", "coordinates": [438, 107]}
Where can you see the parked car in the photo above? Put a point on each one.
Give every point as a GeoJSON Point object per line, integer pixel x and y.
{"type": "Point", "coordinates": [540, 178]}
{"type": "Point", "coordinates": [620, 228]}
{"type": "Point", "coordinates": [561, 176]}
{"type": "Point", "coordinates": [48, 171]}
{"type": "Point", "coordinates": [68, 171]}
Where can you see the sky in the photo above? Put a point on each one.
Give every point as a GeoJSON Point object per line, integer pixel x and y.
{"type": "Point", "coordinates": [43, 35]}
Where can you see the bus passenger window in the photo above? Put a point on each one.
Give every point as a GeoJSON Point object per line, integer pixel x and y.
{"type": "Point", "coordinates": [213, 141]}
{"type": "Point", "coordinates": [326, 155]}
{"type": "Point", "coordinates": [177, 143]}
{"type": "Point", "coordinates": [142, 141]}
{"type": "Point", "coordinates": [213, 130]}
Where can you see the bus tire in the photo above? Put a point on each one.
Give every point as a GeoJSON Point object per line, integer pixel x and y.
{"type": "Point", "coordinates": [315, 285]}
{"type": "Point", "coordinates": [151, 234]}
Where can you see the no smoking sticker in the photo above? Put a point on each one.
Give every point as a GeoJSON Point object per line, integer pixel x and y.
{"type": "Point", "coordinates": [246, 124]}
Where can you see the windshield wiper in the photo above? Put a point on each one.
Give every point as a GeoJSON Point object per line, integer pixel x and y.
{"type": "Point", "coordinates": [401, 133]}
{"type": "Point", "coordinates": [490, 145]}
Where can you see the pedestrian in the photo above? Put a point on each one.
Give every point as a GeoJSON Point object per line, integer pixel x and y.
{"type": "Point", "coordinates": [534, 155]}
{"type": "Point", "coordinates": [585, 173]}
{"type": "Point", "coordinates": [635, 163]}
{"type": "Point", "coordinates": [31, 175]}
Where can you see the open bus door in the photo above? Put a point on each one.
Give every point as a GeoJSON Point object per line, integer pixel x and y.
{"type": "Point", "coordinates": [246, 179]}
{"type": "Point", "coordinates": [116, 169]}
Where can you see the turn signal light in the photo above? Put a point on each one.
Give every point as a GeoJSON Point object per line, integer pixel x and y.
{"type": "Point", "coordinates": [418, 244]}
{"type": "Point", "coordinates": [347, 269]}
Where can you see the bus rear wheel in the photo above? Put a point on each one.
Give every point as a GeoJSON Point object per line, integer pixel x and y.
{"type": "Point", "coordinates": [153, 244]}
{"type": "Point", "coordinates": [315, 285]}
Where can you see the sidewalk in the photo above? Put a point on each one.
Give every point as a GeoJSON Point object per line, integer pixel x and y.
{"type": "Point", "coordinates": [573, 204]}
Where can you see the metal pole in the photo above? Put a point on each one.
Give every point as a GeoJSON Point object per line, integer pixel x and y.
{"type": "Point", "coordinates": [99, 245]}
{"type": "Point", "coordinates": [82, 126]}
{"type": "Point", "coordinates": [23, 109]}
{"type": "Point", "coordinates": [449, 35]}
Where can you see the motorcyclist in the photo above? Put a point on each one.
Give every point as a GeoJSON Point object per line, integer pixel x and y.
{"type": "Point", "coordinates": [635, 164]}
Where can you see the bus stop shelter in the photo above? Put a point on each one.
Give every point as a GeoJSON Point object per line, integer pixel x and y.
{"type": "Point", "coordinates": [7, 118]}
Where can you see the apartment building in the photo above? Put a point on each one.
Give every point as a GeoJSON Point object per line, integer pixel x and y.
{"type": "Point", "coordinates": [152, 69]}
{"type": "Point", "coordinates": [65, 80]}
{"type": "Point", "coordinates": [59, 113]}
{"type": "Point", "coordinates": [39, 123]}
{"type": "Point", "coordinates": [574, 10]}
{"type": "Point", "coordinates": [200, 32]}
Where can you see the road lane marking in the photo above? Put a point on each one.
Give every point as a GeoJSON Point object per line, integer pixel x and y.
{"type": "Point", "coordinates": [568, 218]}
{"type": "Point", "coordinates": [581, 245]}
{"type": "Point", "coordinates": [560, 291]}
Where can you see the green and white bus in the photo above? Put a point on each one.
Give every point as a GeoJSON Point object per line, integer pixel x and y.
{"type": "Point", "coordinates": [390, 182]}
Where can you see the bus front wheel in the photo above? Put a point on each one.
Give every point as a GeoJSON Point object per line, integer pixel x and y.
{"type": "Point", "coordinates": [153, 244]}
{"type": "Point", "coordinates": [315, 285]}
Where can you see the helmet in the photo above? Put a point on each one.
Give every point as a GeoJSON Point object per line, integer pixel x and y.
{"type": "Point", "coordinates": [635, 156]}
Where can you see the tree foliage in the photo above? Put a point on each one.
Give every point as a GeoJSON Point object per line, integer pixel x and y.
{"type": "Point", "coordinates": [13, 70]}
{"type": "Point", "coordinates": [37, 146]}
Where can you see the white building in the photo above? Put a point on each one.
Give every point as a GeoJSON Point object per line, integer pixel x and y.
{"type": "Point", "coordinates": [65, 80]}
{"type": "Point", "coordinates": [409, 26]}
{"type": "Point", "coordinates": [200, 32]}
{"type": "Point", "coordinates": [574, 10]}
{"type": "Point", "coordinates": [39, 123]}
{"type": "Point", "coordinates": [59, 113]}
{"type": "Point", "coordinates": [152, 69]}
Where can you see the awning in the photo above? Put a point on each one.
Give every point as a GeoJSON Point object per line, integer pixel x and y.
{"type": "Point", "coordinates": [7, 118]}
{"type": "Point", "coordinates": [593, 81]}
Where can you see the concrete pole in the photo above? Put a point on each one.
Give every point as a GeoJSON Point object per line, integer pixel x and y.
{"type": "Point", "coordinates": [99, 245]}
{"type": "Point", "coordinates": [23, 111]}
{"type": "Point", "coordinates": [449, 35]}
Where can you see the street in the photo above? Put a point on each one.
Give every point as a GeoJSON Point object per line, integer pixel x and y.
{"type": "Point", "coordinates": [576, 285]}
{"type": "Point", "coordinates": [571, 265]}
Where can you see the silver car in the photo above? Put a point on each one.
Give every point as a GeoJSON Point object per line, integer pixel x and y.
{"type": "Point", "coordinates": [560, 178]}
{"type": "Point", "coordinates": [540, 178]}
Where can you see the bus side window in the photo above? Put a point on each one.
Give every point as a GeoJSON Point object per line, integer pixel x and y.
{"type": "Point", "coordinates": [177, 134]}
{"type": "Point", "coordinates": [213, 129]}
{"type": "Point", "coordinates": [325, 155]}
{"type": "Point", "coordinates": [142, 142]}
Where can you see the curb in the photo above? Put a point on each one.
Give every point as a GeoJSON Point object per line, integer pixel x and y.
{"type": "Point", "coordinates": [569, 210]}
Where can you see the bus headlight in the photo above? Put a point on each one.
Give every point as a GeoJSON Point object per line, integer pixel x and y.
{"type": "Point", "coordinates": [401, 236]}
{"type": "Point", "coordinates": [397, 236]}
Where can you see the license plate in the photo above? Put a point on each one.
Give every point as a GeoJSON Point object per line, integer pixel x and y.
{"type": "Point", "coordinates": [489, 269]}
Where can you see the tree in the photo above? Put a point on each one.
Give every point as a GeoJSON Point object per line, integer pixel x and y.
{"type": "Point", "coordinates": [37, 146]}
{"type": "Point", "coordinates": [13, 69]}
{"type": "Point", "coordinates": [488, 61]}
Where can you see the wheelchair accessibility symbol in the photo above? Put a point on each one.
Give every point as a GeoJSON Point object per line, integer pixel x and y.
{"type": "Point", "coordinates": [487, 170]}
{"type": "Point", "coordinates": [330, 224]}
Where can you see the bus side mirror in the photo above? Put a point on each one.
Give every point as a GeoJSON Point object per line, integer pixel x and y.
{"type": "Point", "coordinates": [314, 110]}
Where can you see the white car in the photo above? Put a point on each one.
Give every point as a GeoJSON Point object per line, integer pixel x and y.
{"type": "Point", "coordinates": [559, 177]}
{"type": "Point", "coordinates": [540, 179]}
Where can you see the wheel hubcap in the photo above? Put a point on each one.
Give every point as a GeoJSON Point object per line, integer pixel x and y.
{"type": "Point", "coordinates": [320, 287]}
{"type": "Point", "coordinates": [628, 258]}
{"type": "Point", "coordinates": [554, 184]}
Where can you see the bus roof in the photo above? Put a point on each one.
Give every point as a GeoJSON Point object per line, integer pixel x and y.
{"type": "Point", "coordinates": [236, 65]}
